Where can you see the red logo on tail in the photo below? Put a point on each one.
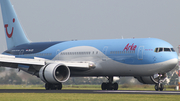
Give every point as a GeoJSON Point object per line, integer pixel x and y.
{"type": "Point", "coordinates": [6, 25]}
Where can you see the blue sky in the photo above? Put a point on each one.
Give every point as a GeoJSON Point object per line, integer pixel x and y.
{"type": "Point", "coordinates": [58, 20]}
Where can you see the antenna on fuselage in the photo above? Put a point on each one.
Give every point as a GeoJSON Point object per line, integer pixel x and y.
{"type": "Point", "coordinates": [122, 37]}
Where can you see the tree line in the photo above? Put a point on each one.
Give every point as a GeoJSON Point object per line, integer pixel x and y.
{"type": "Point", "coordinates": [17, 78]}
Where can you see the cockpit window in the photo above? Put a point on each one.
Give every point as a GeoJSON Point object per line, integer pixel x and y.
{"type": "Point", "coordinates": [156, 50]}
{"type": "Point", "coordinates": [167, 49]}
{"type": "Point", "coordinates": [160, 49]}
{"type": "Point", "coordinates": [172, 50]}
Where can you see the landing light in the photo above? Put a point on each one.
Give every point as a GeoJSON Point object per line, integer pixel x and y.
{"type": "Point", "coordinates": [91, 65]}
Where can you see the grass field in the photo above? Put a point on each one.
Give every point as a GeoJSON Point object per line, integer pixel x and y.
{"type": "Point", "coordinates": [84, 97]}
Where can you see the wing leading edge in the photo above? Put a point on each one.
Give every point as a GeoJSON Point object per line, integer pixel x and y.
{"type": "Point", "coordinates": [13, 62]}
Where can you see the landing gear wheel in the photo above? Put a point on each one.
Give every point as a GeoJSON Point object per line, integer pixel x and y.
{"type": "Point", "coordinates": [103, 86]}
{"type": "Point", "coordinates": [59, 86]}
{"type": "Point", "coordinates": [115, 86]}
{"type": "Point", "coordinates": [49, 86]}
{"type": "Point", "coordinates": [109, 85]}
{"type": "Point", "coordinates": [161, 87]}
{"type": "Point", "coordinates": [156, 87]}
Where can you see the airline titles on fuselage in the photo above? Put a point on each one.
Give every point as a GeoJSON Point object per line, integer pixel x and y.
{"type": "Point", "coordinates": [29, 50]}
{"type": "Point", "coordinates": [130, 47]}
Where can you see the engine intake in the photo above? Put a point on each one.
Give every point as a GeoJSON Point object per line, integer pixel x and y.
{"type": "Point", "coordinates": [54, 73]}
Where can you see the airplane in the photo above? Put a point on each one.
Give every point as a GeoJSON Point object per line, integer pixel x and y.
{"type": "Point", "coordinates": [146, 59]}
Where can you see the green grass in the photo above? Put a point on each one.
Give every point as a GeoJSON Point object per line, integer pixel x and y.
{"type": "Point", "coordinates": [22, 87]}
{"type": "Point", "coordinates": [85, 97]}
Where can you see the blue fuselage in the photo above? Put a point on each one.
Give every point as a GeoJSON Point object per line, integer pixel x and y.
{"type": "Point", "coordinates": [125, 55]}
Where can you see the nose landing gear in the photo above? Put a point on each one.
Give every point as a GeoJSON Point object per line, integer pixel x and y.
{"type": "Point", "coordinates": [159, 85]}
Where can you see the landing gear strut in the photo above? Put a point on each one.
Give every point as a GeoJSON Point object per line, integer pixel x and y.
{"type": "Point", "coordinates": [159, 86]}
{"type": "Point", "coordinates": [49, 86]}
{"type": "Point", "coordinates": [109, 85]}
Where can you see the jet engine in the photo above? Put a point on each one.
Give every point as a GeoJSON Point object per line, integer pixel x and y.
{"type": "Point", "coordinates": [54, 73]}
{"type": "Point", "coordinates": [151, 79]}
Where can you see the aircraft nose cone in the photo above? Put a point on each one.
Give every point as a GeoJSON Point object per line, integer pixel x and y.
{"type": "Point", "coordinates": [174, 62]}
{"type": "Point", "coordinates": [171, 64]}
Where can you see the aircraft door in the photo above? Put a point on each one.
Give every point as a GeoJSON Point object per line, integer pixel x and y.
{"type": "Point", "coordinates": [104, 57]}
{"type": "Point", "coordinates": [140, 53]}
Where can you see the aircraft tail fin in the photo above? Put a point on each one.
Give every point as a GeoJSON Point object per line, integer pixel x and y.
{"type": "Point", "coordinates": [13, 31]}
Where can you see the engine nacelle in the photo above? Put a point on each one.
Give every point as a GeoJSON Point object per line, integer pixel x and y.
{"type": "Point", "coordinates": [150, 79]}
{"type": "Point", "coordinates": [54, 73]}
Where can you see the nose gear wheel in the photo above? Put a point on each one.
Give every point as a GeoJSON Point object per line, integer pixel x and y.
{"type": "Point", "coordinates": [159, 85]}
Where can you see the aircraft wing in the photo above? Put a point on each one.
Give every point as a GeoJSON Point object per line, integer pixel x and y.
{"type": "Point", "coordinates": [14, 62]}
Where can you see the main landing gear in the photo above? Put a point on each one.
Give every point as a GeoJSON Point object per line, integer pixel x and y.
{"type": "Point", "coordinates": [109, 85]}
{"type": "Point", "coordinates": [159, 85]}
{"type": "Point", "coordinates": [49, 86]}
